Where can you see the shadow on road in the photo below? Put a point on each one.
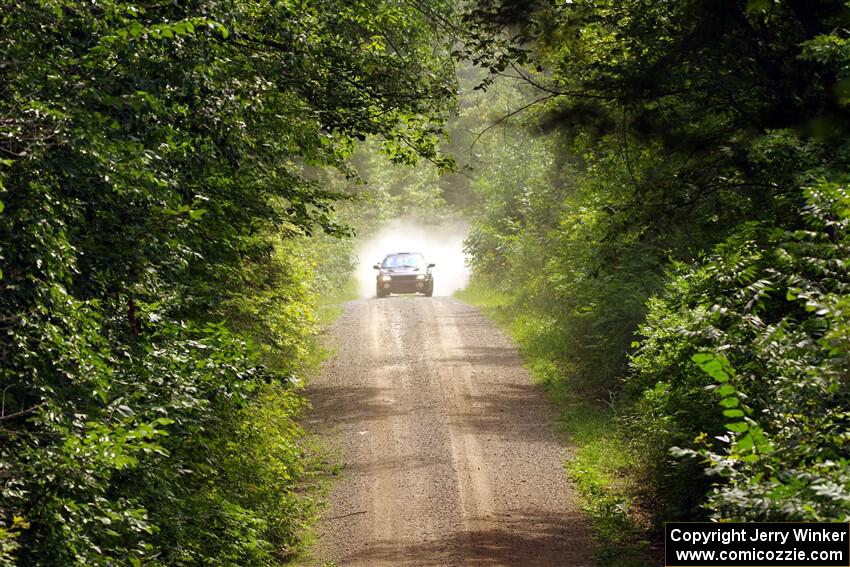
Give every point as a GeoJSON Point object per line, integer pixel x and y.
{"type": "Point", "coordinates": [548, 539]}
{"type": "Point", "coordinates": [353, 404]}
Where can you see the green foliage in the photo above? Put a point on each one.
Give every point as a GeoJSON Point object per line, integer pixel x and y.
{"type": "Point", "coordinates": [777, 429]}
{"type": "Point", "coordinates": [390, 192]}
{"type": "Point", "coordinates": [666, 202]}
{"type": "Point", "coordinates": [156, 273]}
{"type": "Point", "coordinates": [539, 233]}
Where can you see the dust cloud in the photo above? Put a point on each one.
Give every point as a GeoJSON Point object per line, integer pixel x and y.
{"type": "Point", "coordinates": [440, 244]}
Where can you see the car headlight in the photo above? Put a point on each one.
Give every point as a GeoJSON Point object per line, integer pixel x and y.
{"type": "Point", "coordinates": [420, 277]}
{"type": "Point", "coordinates": [386, 278]}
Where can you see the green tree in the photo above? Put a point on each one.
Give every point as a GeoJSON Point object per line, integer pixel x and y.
{"type": "Point", "coordinates": [153, 158]}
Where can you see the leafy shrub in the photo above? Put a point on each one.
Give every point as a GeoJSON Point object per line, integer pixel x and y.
{"type": "Point", "coordinates": [773, 304]}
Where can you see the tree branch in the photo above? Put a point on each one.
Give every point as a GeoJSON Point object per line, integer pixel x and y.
{"type": "Point", "coordinates": [510, 114]}
{"type": "Point", "coordinates": [22, 412]}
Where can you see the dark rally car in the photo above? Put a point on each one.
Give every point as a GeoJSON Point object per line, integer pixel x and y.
{"type": "Point", "coordinates": [404, 272]}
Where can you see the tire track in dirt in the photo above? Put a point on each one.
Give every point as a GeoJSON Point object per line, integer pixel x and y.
{"type": "Point", "coordinates": [449, 453]}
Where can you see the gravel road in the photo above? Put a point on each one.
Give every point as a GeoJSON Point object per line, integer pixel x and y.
{"type": "Point", "coordinates": [448, 447]}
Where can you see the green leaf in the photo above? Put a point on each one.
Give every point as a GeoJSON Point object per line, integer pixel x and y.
{"type": "Point", "coordinates": [758, 6]}
{"type": "Point", "coordinates": [714, 365]}
{"type": "Point", "coordinates": [745, 443]}
{"type": "Point", "coordinates": [726, 390]}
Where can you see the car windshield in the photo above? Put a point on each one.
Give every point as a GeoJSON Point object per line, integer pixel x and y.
{"type": "Point", "coordinates": [404, 261]}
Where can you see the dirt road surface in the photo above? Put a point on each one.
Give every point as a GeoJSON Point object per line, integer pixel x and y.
{"type": "Point", "coordinates": [448, 447]}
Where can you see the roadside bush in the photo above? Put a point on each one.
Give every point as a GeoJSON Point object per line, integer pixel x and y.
{"type": "Point", "coordinates": [773, 304]}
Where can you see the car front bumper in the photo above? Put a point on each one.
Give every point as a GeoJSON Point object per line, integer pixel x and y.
{"type": "Point", "coordinates": [404, 286]}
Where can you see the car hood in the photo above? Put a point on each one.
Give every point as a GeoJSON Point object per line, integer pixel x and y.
{"type": "Point", "coordinates": [402, 271]}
